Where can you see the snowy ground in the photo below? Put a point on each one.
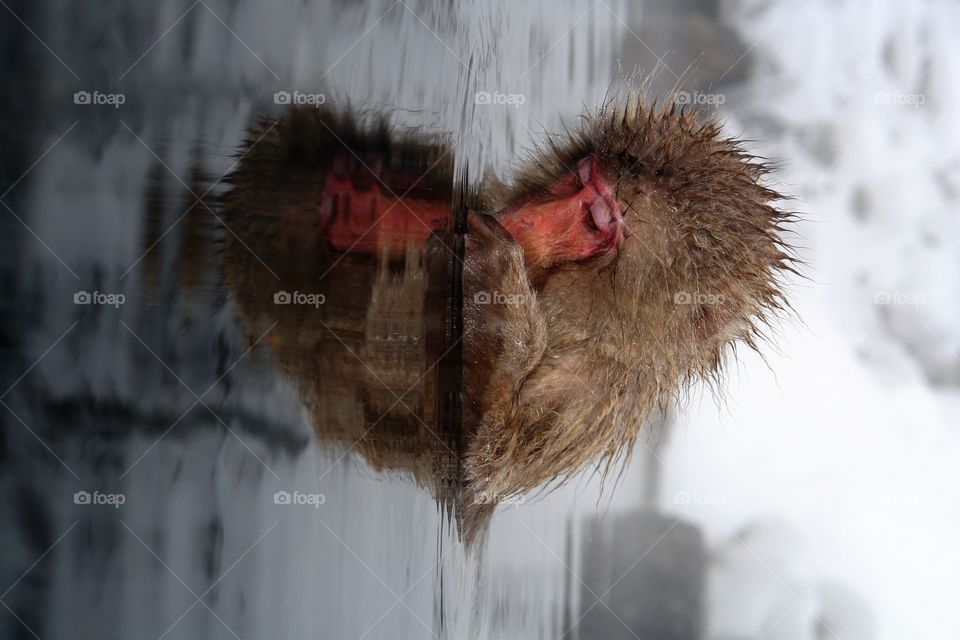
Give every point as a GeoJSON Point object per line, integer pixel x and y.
{"type": "Point", "coordinates": [829, 482]}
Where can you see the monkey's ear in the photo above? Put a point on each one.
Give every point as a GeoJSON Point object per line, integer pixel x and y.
{"type": "Point", "coordinates": [492, 180]}
{"type": "Point", "coordinates": [492, 192]}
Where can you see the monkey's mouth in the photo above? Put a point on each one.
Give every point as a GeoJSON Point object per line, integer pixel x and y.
{"type": "Point", "coordinates": [581, 218]}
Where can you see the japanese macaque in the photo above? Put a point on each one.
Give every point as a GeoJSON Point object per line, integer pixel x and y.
{"type": "Point", "coordinates": [628, 258]}
{"type": "Point", "coordinates": [616, 270]}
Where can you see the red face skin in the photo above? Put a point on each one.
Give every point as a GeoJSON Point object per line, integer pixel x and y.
{"type": "Point", "coordinates": [367, 220]}
{"type": "Point", "coordinates": [580, 219]}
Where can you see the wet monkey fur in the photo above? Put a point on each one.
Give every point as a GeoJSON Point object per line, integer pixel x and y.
{"type": "Point", "coordinates": [616, 269]}
{"type": "Point", "coordinates": [650, 244]}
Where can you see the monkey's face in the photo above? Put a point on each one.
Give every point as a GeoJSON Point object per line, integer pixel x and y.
{"type": "Point", "coordinates": [578, 218]}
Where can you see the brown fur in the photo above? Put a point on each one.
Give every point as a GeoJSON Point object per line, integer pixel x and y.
{"type": "Point", "coordinates": [565, 372]}
{"type": "Point", "coordinates": [597, 347]}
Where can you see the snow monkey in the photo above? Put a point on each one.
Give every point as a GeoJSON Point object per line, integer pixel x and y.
{"type": "Point", "coordinates": [617, 268]}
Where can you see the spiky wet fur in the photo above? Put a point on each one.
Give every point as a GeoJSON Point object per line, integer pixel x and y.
{"type": "Point", "coordinates": [619, 341]}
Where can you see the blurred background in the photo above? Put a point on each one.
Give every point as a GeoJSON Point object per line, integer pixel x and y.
{"type": "Point", "coordinates": [146, 437]}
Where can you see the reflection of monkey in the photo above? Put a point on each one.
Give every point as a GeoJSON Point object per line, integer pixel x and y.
{"type": "Point", "coordinates": [320, 206]}
{"type": "Point", "coordinates": [616, 271]}
{"type": "Point", "coordinates": [314, 216]}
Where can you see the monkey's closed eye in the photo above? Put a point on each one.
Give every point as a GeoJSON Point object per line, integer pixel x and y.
{"type": "Point", "coordinates": [589, 220]}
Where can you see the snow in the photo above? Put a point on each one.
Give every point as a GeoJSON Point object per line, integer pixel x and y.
{"type": "Point", "coordinates": [840, 450]}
